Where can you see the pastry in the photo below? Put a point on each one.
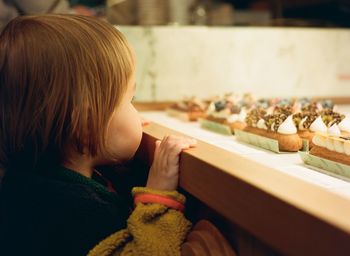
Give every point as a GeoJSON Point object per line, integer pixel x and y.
{"type": "Point", "coordinates": [278, 126]}
{"type": "Point", "coordinates": [317, 117]}
{"type": "Point", "coordinates": [230, 111]}
{"type": "Point", "coordinates": [332, 146]}
{"type": "Point", "coordinates": [189, 109]}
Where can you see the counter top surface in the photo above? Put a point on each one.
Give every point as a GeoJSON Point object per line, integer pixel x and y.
{"type": "Point", "coordinates": [289, 163]}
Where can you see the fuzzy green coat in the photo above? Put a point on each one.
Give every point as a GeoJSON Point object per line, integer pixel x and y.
{"type": "Point", "coordinates": [152, 229]}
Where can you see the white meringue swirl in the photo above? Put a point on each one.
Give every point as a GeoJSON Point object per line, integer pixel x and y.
{"type": "Point", "coordinates": [287, 127]}
{"type": "Point", "coordinates": [318, 125]}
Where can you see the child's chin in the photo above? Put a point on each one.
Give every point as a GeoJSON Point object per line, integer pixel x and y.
{"type": "Point", "coordinates": [121, 160]}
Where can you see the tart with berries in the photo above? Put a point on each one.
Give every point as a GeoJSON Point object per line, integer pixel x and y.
{"type": "Point", "coordinates": [231, 111]}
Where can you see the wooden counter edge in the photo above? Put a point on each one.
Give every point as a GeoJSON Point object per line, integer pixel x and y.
{"type": "Point", "coordinates": [290, 215]}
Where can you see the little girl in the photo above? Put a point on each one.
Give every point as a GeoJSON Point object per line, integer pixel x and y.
{"type": "Point", "coordinates": [66, 86]}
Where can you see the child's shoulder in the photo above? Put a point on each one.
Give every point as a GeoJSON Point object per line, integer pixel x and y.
{"type": "Point", "coordinates": [57, 190]}
{"type": "Point", "coordinates": [40, 205]}
{"type": "Point", "coordinates": [68, 199]}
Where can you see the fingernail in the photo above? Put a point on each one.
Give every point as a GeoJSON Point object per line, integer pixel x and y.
{"type": "Point", "coordinates": [185, 146]}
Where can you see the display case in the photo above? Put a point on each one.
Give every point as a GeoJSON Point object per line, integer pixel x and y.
{"type": "Point", "coordinates": [264, 203]}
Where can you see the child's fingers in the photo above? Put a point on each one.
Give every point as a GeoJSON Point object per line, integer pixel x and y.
{"type": "Point", "coordinates": [174, 152]}
{"type": "Point", "coordinates": [168, 148]}
{"type": "Point", "coordinates": [186, 142]}
{"type": "Point", "coordinates": [171, 147]}
{"type": "Point", "coordinates": [144, 122]}
{"type": "Point", "coordinates": [157, 146]}
{"type": "Point", "coordinates": [163, 151]}
{"type": "Point", "coordinates": [191, 142]}
{"type": "Point", "coordinates": [178, 143]}
{"type": "Point", "coordinates": [156, 150]}
{"type": "Point", "coordinates": [185, 146]}
{"type": "Point", "coordinates": [177, 139]}
{"type": "Point", "coordinates": [165, 141]}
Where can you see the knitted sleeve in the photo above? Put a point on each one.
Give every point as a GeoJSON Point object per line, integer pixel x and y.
{"type": "Point", "coordinates": [152, 229]}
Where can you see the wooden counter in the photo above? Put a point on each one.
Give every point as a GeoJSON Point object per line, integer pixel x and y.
{"type": "Point", "coordinates": [288, 214]}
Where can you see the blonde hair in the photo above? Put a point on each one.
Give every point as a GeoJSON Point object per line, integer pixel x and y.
{"type": "Point", "coordinates": [61, 78]}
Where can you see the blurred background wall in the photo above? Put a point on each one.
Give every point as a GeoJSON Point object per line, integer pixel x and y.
{"type": "Point", "coordinates": [176, 61]}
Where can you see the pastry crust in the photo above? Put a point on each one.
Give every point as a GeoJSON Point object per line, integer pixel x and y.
{"type": "Point", "coordinates": [287, 143]}
{"type": "Point", "coordinates": [345, 134]}
{"type": "Point", "coordinates": [219, 120]}
{"type": "Point", "coordinates": [233, 126]}
{"type": "Point", "coordinates": [330, 155]}
{"type": "Point", "coordinates": [194, 116]}
{"type": "Point", "coordinates": [307, 135]}
{"type": "Point", "coordinates": [237, 126]}
{"type": "Point", "coordinates": [186, 115]}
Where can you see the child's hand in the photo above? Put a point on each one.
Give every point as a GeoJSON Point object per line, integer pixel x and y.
{"type": "Point", "coordinates": [164, 172]}
{"type": "Point", "coordinates": [145, 122]}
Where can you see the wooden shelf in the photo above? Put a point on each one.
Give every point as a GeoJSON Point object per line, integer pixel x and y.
{"type": "Point", "coordinates": [290, 215]}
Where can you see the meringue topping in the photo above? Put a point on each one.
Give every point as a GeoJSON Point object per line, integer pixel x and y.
{"type": "Point", "coordinates": [318, 125]}
{"type": "Point", "coordinates": [211, 108]}
{"type": "Point", "coordinates": [242, 115]}
{"type": "Point", "coordinates": [301, 124]}
{"type": "Point", "coordinates": [233, 118]}
{"type": "Point", "coordinates": [344, 125]}
{"type": "Point", "coordinates": [334, 130]}
{"type": "Point", "coordinates": [339, 145]}
{"type": "Point", "coordinates": [320, 140]}
{"type": "Point", "coordinates": [238, 117]}
{"type": "Point", "coordinates": [288, 126]}
{"type": "Point", "coordinates": [261, 124]}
